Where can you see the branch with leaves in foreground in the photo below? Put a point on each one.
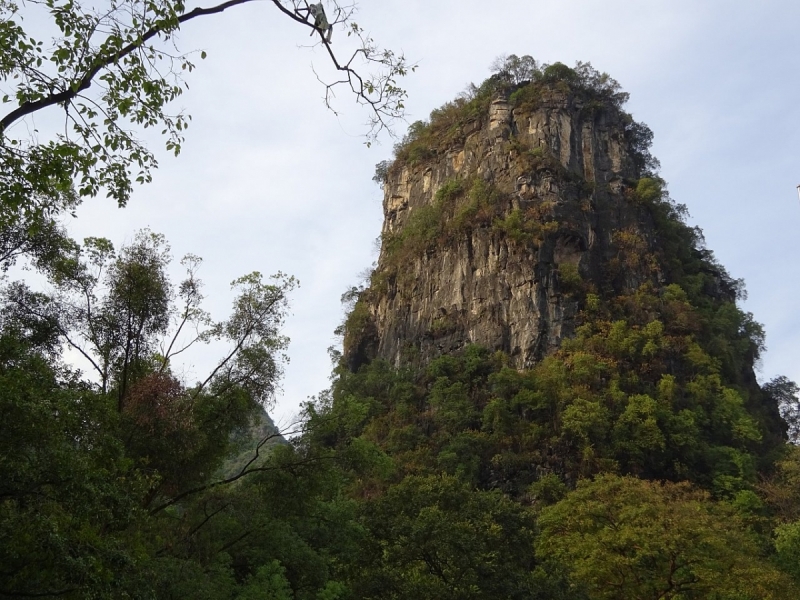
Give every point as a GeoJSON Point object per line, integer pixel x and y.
{"type": "Point", "coordinates": [112, 72]}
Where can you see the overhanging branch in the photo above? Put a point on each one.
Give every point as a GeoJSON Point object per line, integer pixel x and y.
{"type": "Point", "coordinates": [85, 82]}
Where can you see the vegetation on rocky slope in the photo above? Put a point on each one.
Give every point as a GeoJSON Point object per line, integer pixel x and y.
{"type": "Point", "coordinates": [526, 84]}
{"type": "Point", "coordinates": [652, 463]}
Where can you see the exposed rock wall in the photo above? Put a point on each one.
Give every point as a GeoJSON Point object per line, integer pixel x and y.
{"type": "Point", "coordinates": [562, 164]}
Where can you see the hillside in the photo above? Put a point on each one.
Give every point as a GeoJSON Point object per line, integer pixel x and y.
{"type": "Point", "coordinates": [527, 220]}
{"type": "Point", "coordinates": [544, 331]}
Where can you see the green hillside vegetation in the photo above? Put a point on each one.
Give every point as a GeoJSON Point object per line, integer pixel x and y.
{"type": "Point", "coordinates": [652, 404]}
{"type": "Point", "coordinates": [641, 460]}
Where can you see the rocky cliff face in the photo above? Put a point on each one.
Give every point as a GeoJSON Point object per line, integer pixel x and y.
{"type": "Point", "coordinates": [489, 231]}
{"type": "Point", "coordinates": [529, 221]}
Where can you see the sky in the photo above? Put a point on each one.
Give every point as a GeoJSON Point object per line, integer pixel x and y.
{"type": "Point", "coordinates": [270, 180]}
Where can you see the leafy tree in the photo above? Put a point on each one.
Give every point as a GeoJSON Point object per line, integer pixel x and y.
{"type": "Point", "coordinates": [105, 474]}
{"type": "Point", "coordinates": [269, 583]}
{"type": "Point", "coordinates": [37, 237]}
{"type": "Point", "coordinates": [787, 545]}
{"type": "Point", "coordinates": [107, 500]}
{"type": "Point", "coordinates": [112, 484]}
{"type": "Point", "coordinates": [113, 70]}
{"type": "Point", "coordinates": [516, 69]}
{"type": "Point", "coordinates": [605, 402]}
{"type": "Point", "coordinates": [433, 537]}
{"type": "Point", "coordinates": [780, 488]}
{"type": "Point", "coordinates": [68, 493]}
{"type": "Point", "coordinates": [784, 392]}
{"type": "Point", "coordinates": [622, 537]}
{"type": "Point", "coordinates": [283, 529]}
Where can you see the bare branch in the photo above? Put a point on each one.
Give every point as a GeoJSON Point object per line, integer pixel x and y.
{"type": "Point", "coordinates": [243, 473]}
{"type": "Point", "coordinates": [64, 333]}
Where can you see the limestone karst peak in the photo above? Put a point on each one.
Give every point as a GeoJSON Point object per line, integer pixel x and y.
{"type": "Point", "coordinates": [499, 211]}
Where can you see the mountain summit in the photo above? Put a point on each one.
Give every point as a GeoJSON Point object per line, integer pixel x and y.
{"type": "Point", "coordinates": [526, 218]}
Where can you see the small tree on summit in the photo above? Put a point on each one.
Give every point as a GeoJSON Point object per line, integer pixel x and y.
{"type": "Point", "coordinates": [516, 69]}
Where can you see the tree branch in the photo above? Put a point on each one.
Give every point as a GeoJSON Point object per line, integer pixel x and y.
{"type": "Point", "coordinates": [196, 528]}
{"type": "Point", "coordinates": [234, 541]}
{"type": "Point", "coordinates": [363, 89]}
{"type": "Point", "coordinates": [64, 96]}
{"type": "Point", "coordinates": [246, 470]}
{"type": "Point", "coordinates": [63, 332]}
{"type": "Point", "coordinates": [18, 594]}
{"type": "Point", "coordinates": [209, 486]}
{"type": "Point", "coordinates": [239, 345]}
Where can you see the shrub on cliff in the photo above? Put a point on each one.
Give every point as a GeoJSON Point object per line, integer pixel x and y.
{"type": "Point", "coordinates": [525, 83]}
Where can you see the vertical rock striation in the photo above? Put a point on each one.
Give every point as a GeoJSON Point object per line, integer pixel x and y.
{"type": "Point", "coordinates": [530, 201]}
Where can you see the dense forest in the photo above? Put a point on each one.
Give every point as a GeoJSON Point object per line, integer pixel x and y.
{"type": "Point", "coordinates": [640, 459]}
